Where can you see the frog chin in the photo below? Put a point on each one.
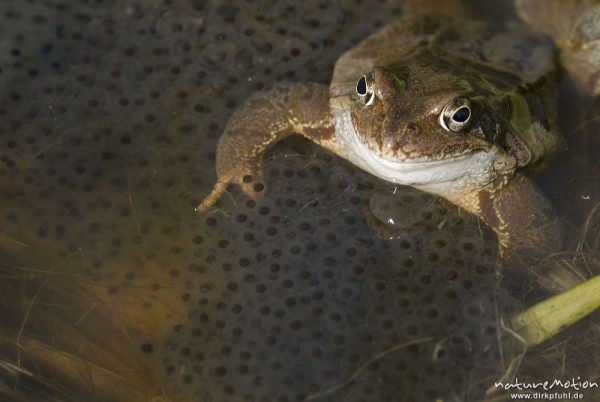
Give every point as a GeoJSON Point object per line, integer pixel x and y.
{"type": "Point", "coordinates": [448, 177]}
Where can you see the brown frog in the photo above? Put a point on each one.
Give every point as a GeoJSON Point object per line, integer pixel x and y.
{"type": "Point", "coordinates": [454, 107]}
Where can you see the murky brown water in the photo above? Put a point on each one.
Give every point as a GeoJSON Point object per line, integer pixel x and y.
{"type": "Point", "coordinates": [114, 290]}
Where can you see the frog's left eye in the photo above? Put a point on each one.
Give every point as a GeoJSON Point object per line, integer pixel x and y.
{"type": "Point", "coordinates": [456, 115]}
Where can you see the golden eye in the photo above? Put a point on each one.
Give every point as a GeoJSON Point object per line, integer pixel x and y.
{"type": "Point", "coordinates": [456, 115]}
{"type": "Point", "coordinates": [364, 90]}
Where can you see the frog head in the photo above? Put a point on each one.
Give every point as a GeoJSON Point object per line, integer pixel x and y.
{"type": "Point", "coordinates": [446, 127]}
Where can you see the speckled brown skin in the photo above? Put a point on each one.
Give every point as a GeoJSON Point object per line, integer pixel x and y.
{"type": "Point", "coordinates": [264, 119]}
{"type": "Point", "coordinates": [414, 68]}
{"type": "Point", "coordinates": [522, 217]}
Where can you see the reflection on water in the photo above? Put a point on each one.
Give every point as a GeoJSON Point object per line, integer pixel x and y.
{"type": "Point", "coordinates": [113, 289]}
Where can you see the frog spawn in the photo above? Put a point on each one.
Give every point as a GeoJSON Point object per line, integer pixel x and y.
{"type": "Point", "coordinates": [306, 296]}
{"type": "Point", "coordinates": [109, 125]}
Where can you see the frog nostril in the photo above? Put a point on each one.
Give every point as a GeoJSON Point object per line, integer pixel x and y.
{"type": "Point", "coordinates": [412, 129]}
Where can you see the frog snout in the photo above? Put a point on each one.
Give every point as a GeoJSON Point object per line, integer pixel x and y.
{"type": "Point", "coordinates": [384, 84]}
{"type": "Point", "coordinates": [400, 137]}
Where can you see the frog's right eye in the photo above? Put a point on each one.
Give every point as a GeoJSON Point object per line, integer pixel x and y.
{"type": "Point", "coordinates": [361, 86]}
{"type": "Point", "coordinates": [364, 90]}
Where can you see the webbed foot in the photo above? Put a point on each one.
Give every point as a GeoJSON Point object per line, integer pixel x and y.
{"type": "Point", "coordinates": [390, 214]}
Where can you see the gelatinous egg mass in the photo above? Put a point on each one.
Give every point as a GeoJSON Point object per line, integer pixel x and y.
{"type": "Point", "coordinates": [295, 296]}
{"type": "Point", "coordinates": [327, 284]}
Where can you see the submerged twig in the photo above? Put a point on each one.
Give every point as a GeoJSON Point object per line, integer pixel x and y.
{"type": "Point", "coordinates": [362, 368]}
{"type": "Point", "coordinates": [586, 227]}
{"type": "Point", "coordinates": [25, 319]}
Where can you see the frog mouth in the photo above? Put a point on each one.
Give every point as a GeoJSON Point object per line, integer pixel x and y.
{"type": "Point", "coordinates": [446, 177]}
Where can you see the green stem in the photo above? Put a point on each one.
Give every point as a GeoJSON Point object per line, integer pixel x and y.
{"type": "Point", "coordinates": [547, 318]}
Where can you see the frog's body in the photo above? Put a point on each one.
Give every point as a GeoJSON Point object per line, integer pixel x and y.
{"type": "Point", "coordinates": [457, 108]}
{"type": "Point", "coordinates": [399, 136]}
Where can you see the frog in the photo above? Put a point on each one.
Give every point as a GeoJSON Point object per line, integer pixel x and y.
{"type": "Point", "coordinates": [459, 108]}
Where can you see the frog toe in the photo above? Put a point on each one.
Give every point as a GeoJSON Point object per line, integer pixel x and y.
{"type": "Point", "coordinates": [250, 180]}
{"type": "Point", "coordinates": [215, 194]}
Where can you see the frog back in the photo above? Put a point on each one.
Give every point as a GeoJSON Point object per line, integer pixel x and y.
{"type": "Point", "coordinates": [510, 47]}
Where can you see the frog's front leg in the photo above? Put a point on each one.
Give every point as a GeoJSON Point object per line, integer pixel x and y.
{"type": "Point", "coordinates": [264, 119]}
{"type": "Point", "coordinates": [524, 221]}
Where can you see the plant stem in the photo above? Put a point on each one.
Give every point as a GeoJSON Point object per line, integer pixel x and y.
{"type": "Point", "coordinates": [547, 318]}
